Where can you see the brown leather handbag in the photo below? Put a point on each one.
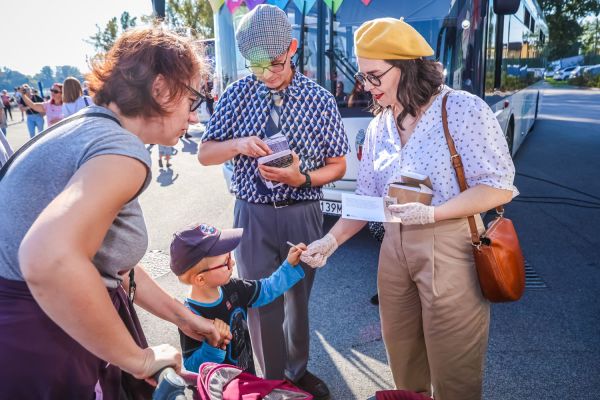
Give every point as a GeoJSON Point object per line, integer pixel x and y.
{"type": "Point", "coordinates": [498, 257]}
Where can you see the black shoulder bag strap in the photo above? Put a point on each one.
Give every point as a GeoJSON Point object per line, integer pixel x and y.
{"type": "Point", "coordinates": [44, 133]}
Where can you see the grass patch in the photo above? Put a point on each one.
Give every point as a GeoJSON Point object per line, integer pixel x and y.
{"type": "Point", "coordinates": [554, 82]}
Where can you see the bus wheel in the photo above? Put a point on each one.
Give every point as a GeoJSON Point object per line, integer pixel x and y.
{"type": "Point", "coordinates": [510, 136]}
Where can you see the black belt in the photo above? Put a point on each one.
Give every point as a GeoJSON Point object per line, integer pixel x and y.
{"type": "Point", "coordinates": [280, 203]}
{"type": "Point", "coordinates": [285, 203]}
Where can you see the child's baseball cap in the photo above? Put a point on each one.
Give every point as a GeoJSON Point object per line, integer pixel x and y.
{"type": "Point", "coordinates": [192, 244]}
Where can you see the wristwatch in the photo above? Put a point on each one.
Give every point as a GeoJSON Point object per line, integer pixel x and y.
{"type": "Point", "coordinates": [307, 183]}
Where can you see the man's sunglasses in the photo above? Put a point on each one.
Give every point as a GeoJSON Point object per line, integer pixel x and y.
{"type": "Point", "coordinates": [374, 80]}
{"type": "Point", "coordinates": [226, 264]}
{"type": "Point", "coordinates": [197, 101]}
{"type": "Point", "coordinates": [257, 69]}
{"type": "Point", "coordinates": [55, 91]}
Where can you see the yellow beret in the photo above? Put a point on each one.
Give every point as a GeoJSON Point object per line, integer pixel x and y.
{"type": "Point", "coordinates": [389, 39]}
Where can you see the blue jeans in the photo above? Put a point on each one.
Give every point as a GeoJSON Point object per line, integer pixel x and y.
{"type": "Point", "coordinates": [33, 121]}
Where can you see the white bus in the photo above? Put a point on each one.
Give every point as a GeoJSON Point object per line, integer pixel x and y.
{"type": "Point", "coordinates": [490, 48]}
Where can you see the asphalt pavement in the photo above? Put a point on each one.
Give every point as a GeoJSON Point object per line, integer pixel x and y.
{"type": "Point", "coordinates": [546, 346]}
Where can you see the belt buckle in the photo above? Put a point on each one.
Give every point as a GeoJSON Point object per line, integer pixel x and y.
{"type": "Point", "coordinates": [280, 201]}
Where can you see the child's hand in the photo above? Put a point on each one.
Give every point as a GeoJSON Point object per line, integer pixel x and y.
{"type": "Point", "coordinates": [224, 333]}
{"type": "Point", "coordinates": [295, 253]}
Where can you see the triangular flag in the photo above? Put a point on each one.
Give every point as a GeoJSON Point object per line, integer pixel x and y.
{"type": "Point", "coordinates": [253, 3]}
{"type": "Point", "coordinates": [335, 3]}
{"type": "Point", "coordinates": [216, 4]}
{"type": "Point", "coordinates": [309, 4]}
{"type": "Point", "coordinates": [366, 2]}
{"type": "Point", "coordinates": [233, 5]}
{"type": "Point", "coordinates": [279, 3]}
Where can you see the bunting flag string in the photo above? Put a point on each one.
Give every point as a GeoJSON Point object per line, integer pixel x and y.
{"type": "Point", "coordinates": [216, 4]}
{"type": "Point", "coordinates": [253, 3]}
{"type": "Point", "coordinates": [333, 4]}
{"type": "Point", "coordinates": [301, 4]}
{"type": "Point", "coordinates": [279, 3]}
{"type": "Point", "coordinates": [233, 5]}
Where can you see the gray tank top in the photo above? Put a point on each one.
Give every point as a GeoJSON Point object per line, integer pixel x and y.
{"type": "Point", "coordinates": [42, 171]}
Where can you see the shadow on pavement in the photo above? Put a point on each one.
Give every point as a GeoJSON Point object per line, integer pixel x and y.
{"type": "Point", "coordinates": [166, 177]}
{"type": "Point", "coordinates": [189, 146]}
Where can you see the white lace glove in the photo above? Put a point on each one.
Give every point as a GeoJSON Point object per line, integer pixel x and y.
{"type": "Point", "coordinates": [413, 213]}
{"type": "Point", "coordinates": [318, 251]}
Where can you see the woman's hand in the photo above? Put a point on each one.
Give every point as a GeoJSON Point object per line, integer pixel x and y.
{"type": "Point", "coordinates": [252, 146]}
{"type": "Point", "coordinates": [295, 252]}
{"type": "Point", "coordinates": [289, 175]}
{"type": "Point", "coordinates": [318, 251]}
{"type": "Point", "coordinates": [200, 328]}
{"type": "Point", "coordinates": [413, 213]}
{"type": "Point", "coordinates": [154, 359]}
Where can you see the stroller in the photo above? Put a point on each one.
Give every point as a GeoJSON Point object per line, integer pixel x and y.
{"type": "Point", "coordinates": [223, 382]}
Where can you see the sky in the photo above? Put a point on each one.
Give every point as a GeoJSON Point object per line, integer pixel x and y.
{"type": "Point", "coordinates": [43, 32]}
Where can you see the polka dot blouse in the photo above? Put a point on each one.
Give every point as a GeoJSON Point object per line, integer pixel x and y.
{"type": "Point", "coordinates": [477, 136]}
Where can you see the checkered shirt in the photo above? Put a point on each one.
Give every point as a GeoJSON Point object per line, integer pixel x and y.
{"type": "Point", "coordinates": [310, 120]}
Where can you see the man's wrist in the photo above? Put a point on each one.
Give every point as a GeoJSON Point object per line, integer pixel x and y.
{"type": "Point", "coordinates": [306, 181]}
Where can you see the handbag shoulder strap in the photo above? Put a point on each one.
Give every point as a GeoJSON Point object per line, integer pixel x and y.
{"type": "Point", "coordinates": [456, 161]}
{"type": "Point", "coordinates": [42, 134]}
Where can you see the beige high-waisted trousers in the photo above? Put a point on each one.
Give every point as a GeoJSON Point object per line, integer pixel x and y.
{"type": "Point", "coordinates": [434, 319]}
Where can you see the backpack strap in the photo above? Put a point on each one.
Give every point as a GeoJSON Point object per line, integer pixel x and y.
{"type": "Point", "coordinates": [44, 133]}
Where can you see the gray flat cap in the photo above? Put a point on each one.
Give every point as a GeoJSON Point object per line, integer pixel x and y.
{"type": "Point", "coordinates": [264, 34]}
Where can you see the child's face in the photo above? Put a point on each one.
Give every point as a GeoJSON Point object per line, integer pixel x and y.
{"type": "Point", "coordinates": [217, 270]}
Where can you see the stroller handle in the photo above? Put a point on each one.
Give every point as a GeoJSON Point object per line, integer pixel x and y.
{"type": "Point", "coordinates": [170, 385]}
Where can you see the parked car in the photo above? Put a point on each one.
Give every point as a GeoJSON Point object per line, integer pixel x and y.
{"type": "Point", "coordinates": [578, 71]}
{"type": "Point", "coordinates": [538, 73]}
{"type": "Point", "coordinates": [549, 73]}
{"type": "Point", "coordinates": [563, 74]}
{"type": "Point", "coordinates": [593, 70]}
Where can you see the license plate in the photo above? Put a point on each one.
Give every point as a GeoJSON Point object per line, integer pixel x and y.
{"type": "Point", "coordinates": [331, 207]}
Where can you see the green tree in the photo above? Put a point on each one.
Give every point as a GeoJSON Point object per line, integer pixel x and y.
{"type": "Point", "coordinates": [64, 71]}
{"type": "Point", "coordinates": [193, 16]}
{"type": "Point", "coordinates": [10, 79]}
{"type": "Point", "coordinates": [105, 38]}
{"type": "Point", "coordinates": [46, 76]}
{"type": "Point", "coordinates": [563, 22]}
{"type": "Point", "coordinates": [590, 40]}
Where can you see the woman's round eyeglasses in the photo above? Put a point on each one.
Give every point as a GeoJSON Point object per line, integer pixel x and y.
{"type": "Point", "coordinates": [374, 80]}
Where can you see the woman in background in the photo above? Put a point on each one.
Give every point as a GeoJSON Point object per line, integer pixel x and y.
{"type": "Point", "coordinates": [73, 97]}
{"type": "Point", "coordinates": [52, 108]}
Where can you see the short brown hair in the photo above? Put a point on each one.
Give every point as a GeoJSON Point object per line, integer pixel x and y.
{"type": "Point", "coordinates": [420, 79]}
{"type": "Point", "coordinates": [71, 89]}
{"type": "Point", "coordinates": [125, 75]}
